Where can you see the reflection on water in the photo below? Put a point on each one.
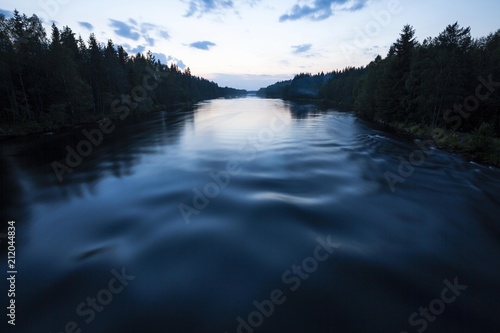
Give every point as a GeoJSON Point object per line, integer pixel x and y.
{"type": "Point", "coordinates": [262, 180]}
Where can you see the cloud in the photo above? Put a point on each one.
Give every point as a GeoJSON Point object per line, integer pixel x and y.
{"type": "Point", "coordinates": [252, 3]}
{"type": "Point", "coordinates": [321, 9]}
{"type": "Point", "coordinates": [198, 8]}
{"type": "Point", "coordinates": [6, 13]}
{"type": "Point", "coordinates": [86, 25]}
{"type": "Point", "coordinates": [124, 30]}
{"type": "Point", "coordinates": [181, 64]}
{"type": "Point", "coordinates": [139, 49]}
{"type": "Point", "coordinates": [144, 32]}
{"type": "Point", "coordinates": [161, 57]}
{"type": "Point", "coordinates": [204, 45]}
{"type": "Point", "coordinates": [134, 50]}
{"type": "Point", "coordinates": [164, 34]}
{"type": "Point", "coordinates": [298, 49]}
{"type": "Point", "coordinates": [150, 41]}
{"type": "Point", "coordinates": [144, 35]}
{"type": "Point", "coordinates": [201, 7]}
{"type": "Point", "coordinates": [148, 28]}
{"type": "Point", "coordinates": [167, 60]}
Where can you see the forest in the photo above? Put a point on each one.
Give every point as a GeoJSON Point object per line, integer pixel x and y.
{"type": "Point", "coordinates": [50, 83]}
{"type": "Point", "coordinates": [450, 83]}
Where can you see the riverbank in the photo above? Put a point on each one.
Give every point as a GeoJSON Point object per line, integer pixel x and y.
{"type": "Point", "coordinates": [8, 131]}
{"type": "Point", "coordinates": [481, 146]}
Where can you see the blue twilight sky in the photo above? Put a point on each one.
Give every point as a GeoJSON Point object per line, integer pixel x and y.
{"type": "Point", "coordinates": [253, 43]}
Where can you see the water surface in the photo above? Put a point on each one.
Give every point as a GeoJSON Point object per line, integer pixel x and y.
{"type": "Point", "coordinates": [213, 209]}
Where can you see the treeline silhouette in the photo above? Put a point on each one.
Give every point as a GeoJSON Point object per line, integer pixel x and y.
{"type": "Point", "coordinates": [451, 82]}
{"type": "Point", "coordinates": [48, 83]}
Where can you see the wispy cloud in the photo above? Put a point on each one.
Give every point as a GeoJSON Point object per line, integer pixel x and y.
{"type": "Point", "coordinates": [86, 25]}
{"type": "Point", "coordinates": [200, 7]}
{"type": "Point", "coordinates": [298, 49]}
{"type": "Point", "coordinates": [146, 29]}
{"type": "Point", "coordinates": [321, 9]}
{"type": "Point", "coordinates": [134, 50]}
{"type": "Point", "coordinates": [204, 45]}
{"type": "Point", "coordinates": [164, 34]}
{"type": "Point", "coordinates": [124, 30]}
{"type": "Point", "coordinates": [141, 32]}
{"type": "Point", "coordinates": [181, 64]}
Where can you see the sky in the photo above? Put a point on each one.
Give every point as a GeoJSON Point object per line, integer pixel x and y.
{"type": "Point", "coordinates": [249, 44]}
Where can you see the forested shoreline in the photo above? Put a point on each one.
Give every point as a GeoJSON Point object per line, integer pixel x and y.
{"type": "Point", "coordinates": [50, 83]}
{"type": "Point", "coordinates": [444, 88]}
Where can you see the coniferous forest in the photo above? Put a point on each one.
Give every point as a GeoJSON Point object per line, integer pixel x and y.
{"type": "Point", "coordinates": [61, 80]}
{"type": "Point", "coordinates": [361, 193]}
{"type": "Point", "coordinates": [450, 82]}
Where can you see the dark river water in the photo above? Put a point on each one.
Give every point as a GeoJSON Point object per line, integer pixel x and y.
{"type": "Point", "coordinates": [250, 215]}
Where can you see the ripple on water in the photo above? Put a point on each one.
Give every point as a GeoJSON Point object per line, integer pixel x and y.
{"type": "Point", "coordinates": [303, 173]}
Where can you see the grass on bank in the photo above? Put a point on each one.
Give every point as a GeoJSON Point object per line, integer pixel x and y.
{"type": "Point", "coordinates": [481, 145]}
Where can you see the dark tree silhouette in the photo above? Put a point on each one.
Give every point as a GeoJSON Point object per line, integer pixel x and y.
{"type": "Point", "coordinates": [417, 83]}
{"type": "Point", "coordinates": [62, 81]}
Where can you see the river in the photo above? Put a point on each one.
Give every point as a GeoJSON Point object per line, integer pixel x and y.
{"type": "Point", "coordinates": [250, 215]}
